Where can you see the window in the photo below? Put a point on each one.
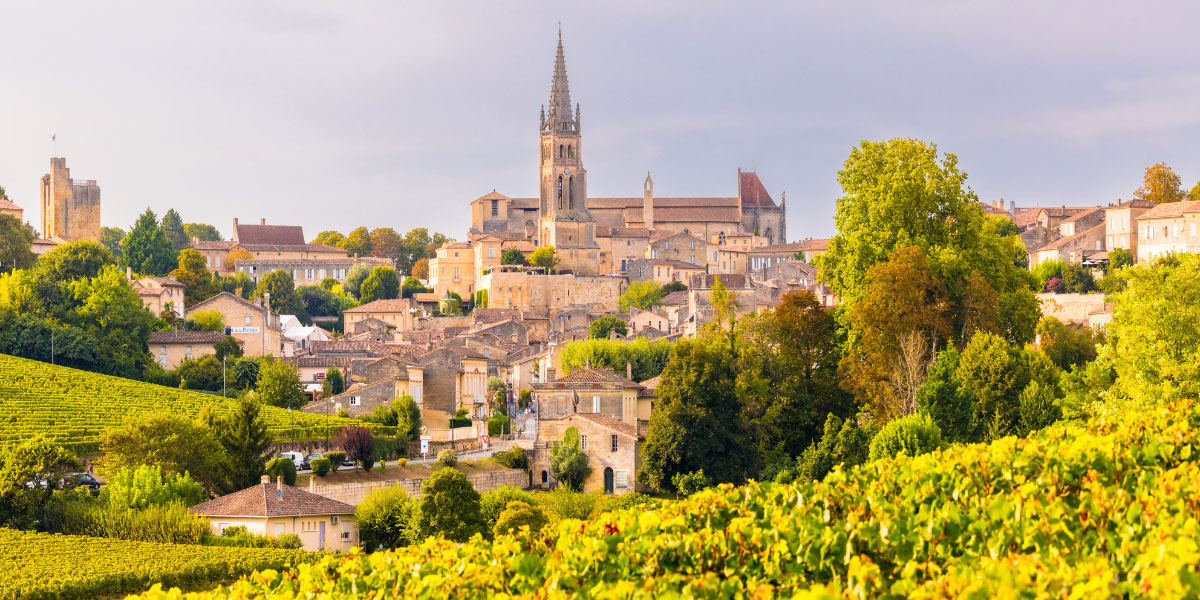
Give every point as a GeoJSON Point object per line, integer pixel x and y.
{"type": "Point", "coordinates": [456, 272]}
{"type": "Point", "coordinates": [247, 319]}
{"type": "Point", "coordinates": [693, 244]}
{"type": "Point", "coordinates": [667, 245]}
{"type": "Point", "coordinates": [162, 360]}
{"type": "Point", "coordinates": [308, 273]}
{"type": "Point", "coordinates": [188, 353]}
{"type": "Point", "coordinates": [495, 208]}
{"type": "Point", "coordinates": [595, 404]}
{"type": "Point", "coordinates": [345, 535]}
{"type": "Point", "coordinates": [208, 261]}
{"type": "Point", "coordinates": [623, 261]}
{"type": "Point", "coordinates": [355, 400]}
{"type": "Point", "coordinates": [545, 477]}
{"type": "Point", "coordinates": [583, 443]}
{"type": "Point", "coordinates": [218, 258]}
{"type": "Point", "coordinates": [1175, 230]}
{"type": "Point", "coordinates": [654, 254]}
{"type": "Point", "coordinates": [491, 252]}
{"type": "Point", "coordinates": [614, 443]}
{"type": "Point", "coordinates": [621, 479]}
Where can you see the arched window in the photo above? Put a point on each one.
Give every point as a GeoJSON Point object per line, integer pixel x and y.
{"type": "Point", "coordinates": [560, 151]}
{"type": "Point", "coordinates": [545, 478]}
{"type": "Point", "coordinates": [560, 190]}
{"type": "Point", "coordinates": [570, 196]}
{"type": "Point", "coordinates": [570, 151]}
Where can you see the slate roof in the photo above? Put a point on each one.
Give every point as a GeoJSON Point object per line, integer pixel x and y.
{"type": "Point", "coordinates": [186, 337]}
{"type": "Point", "coordinates": [262, 501]}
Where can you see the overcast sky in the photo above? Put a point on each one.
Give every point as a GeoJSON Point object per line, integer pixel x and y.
{"type": "Point", "coordinates": [398, 114]}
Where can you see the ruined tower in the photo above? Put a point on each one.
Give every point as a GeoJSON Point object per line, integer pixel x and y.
{"type": "Point", "coordinates": [70, 209]}
{"type": "Point", "coordinates": [565, 222]}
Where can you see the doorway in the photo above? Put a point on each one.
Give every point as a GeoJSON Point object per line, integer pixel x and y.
{"type": "Point", "coordinates": [608, 480]}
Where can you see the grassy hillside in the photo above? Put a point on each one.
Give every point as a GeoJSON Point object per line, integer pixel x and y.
{"type": "Point", "coordinates": [41, 565]}
{"type": "Point", "coordinates": [73, 407]}
{"type": "Point", "coordinates": [1106, 510]}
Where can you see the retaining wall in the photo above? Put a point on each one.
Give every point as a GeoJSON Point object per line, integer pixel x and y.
{"type": "Point", "coordinates": [353, 493]}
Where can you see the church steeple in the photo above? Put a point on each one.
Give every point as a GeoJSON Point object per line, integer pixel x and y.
{"type": "Point", "coordinates": [559, 118]}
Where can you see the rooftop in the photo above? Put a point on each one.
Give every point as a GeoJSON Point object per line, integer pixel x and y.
{"type": "Point", "coordinates": [269, 500]}
{"type": "Point", "coordinates": [1169, 210]}
{"type": "Point", "coordinates": [186, 337]}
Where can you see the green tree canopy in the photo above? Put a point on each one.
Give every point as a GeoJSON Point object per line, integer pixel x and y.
{"type": "Point", "coordinates": [16, 241]}
{"type": "Point", "coordinates": [279, 385]}
{"type": "Point", "coordinates": [172, 442]}
{"type": "Point", "coordinates": [330, 238]}
{"type": "Point", "coordinates": [358, 243]}
{"type": "Point", "coordinates": [449, 507]}
{"type": "Point", "coordinates": [147, 249]}
{"type": "Point", "coordinates": [110, 237]}
{"type": "Point", "coordinates": [647, 358]}
{"type": "Point", "coordinates": [21, 505]}
{"type": "Point", "coordinates": [568, 462]}
{"type": "Point", "coordinates": [284, 299]}
{"type": "Point", "coordinates": [512, 256]}
{"type": "Point", "coordinates": [202, 231]}
{"type": "Point", "coordinates": [193, 272]}
{"type": "Point", "coordinates": [386, 518]}
{"type": "Point", "coordinates": [381, 284]}
{"type": "Point", "coordinates": [545, 257]}
{"type": "Point", "coordinates": [173, 227]}
{"type": "Point", "coordinates": [642, 294]}
{"type": "Point", "coordinates": [1160, 184]}
{"type": "Point", "coordinates": [355, 277]}
{"type": "Point", "coordinates": [243, 434]}
{"type": "Point", "coordinates": [600, 328]}
{"type": "Point", "coordinates": [385, 242]}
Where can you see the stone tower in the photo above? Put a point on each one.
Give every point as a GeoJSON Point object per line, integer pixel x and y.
{"type": "Point", "coordinates": [648, 202]}
{"type": "Point", "coordinates": [565, 222]}
{"type": "Point", "coordinates": [70, 209]}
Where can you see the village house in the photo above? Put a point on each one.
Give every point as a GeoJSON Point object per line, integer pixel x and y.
{"type": "Point", "coordinates": [256, 327]}
{"type": "Point", "coordinates": [398, 313]}
{"type": "Point", "coordinates": [308, 271]}
{"type": "Point", "coordinates": [453, 270]}
{"type": "Point", "coordinates": [171, 348]}
{"type": "Point", "coordinates": [7, 207]}
{"type": "Point", "coordinates": [263, 241]}
{"type": "Point", "coordinates": [1075, 248]}
{"type": "Point", "coordinates": [1168, 228]}
{"type": "Point", "coordinates": [274, 509]}
{"type": "Point", "coordinates": [663, 271]}
{"type": "Point", "coordinates": [680, 246]}
{"type": "Point", "coordinates": [612, 446]}
{"type": "Point", "coordinates": [536, 291]}
{"type": "Point", "coordinates": [159, 293]}
{"type": "Point", "coordinates": [1121, 224]}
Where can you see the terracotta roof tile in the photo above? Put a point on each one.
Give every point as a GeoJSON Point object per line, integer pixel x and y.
{"type": "Point", "coordinates": [675, 299]}
{"type": "Point", "coordinates": [186, 337]}
{"type": "Point", "coordinates": [1169, 210]}
{"type": "Point", "coordinates": [6, 204]}
{"type": "Point", "coordinates": [609, 423]}
{"type": "Point", "coordinates": [206, 245]}
{"type": "Point", "coordinates": [275, 235]}
{"type": "Point", "coordinates": [393, 305]}
{"type": "Point", "coordinates": [594, 375]}
{"type": "Point", "coordinates": [266, 500]}
{"type": "Point", "coordinates": [753, 192]}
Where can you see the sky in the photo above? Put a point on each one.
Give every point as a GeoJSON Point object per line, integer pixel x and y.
{"type": "Point", "coordinates": [334, 115]}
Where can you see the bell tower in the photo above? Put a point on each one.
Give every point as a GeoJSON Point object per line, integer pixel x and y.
{"type": "Point", "coordinates": [565, 222]}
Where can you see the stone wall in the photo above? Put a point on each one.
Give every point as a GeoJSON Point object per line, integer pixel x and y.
{"type": "Point", "coordinates": [1070, 308]}
{"type": "Point", "coordinates": [353, 493]}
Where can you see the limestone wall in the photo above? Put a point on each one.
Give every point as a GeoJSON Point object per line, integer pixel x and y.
{"type": "Point", "coordinates": [353, 493]}
{"type": "Point", "coordinates": [1070, 308]}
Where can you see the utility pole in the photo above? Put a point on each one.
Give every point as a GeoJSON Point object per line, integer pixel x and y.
{"type": "Point", "coordinates": [266, 320]}
{"type": "Point", "coordinates": [51, 346]}
{"type": "Point", "coordinates": [224, 392]}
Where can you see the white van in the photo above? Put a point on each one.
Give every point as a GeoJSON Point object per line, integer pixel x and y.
{"type": "Point", "coordinates": [295, 456]}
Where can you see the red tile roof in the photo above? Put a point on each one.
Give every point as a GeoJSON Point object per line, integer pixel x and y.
{"type": "Point", "coordinates": [1169, 210]}
{"type": "Point", "coordinates": [274, 235]}
{"type": "Point", "coordinates": [609, 423]}
{"type": "Point", "coordinates": [393, 305]}
{"type": "Point", "coordinates": [267, 500]}
{"type": "Point", "coordinates": [186, 337]}
{"type": "Point", "coordinates": [753, 192]}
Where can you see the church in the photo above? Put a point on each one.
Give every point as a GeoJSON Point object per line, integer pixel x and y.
{"type": "Point", "coordinates": [599, 236]}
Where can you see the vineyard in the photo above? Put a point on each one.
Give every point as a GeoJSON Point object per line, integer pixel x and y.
{"type": "Point", "coordinates": [74, 407]}
{"type": "Point", "coordinates": [1107, 510]}
{"type": "Point", "coordinates": [41, 565]}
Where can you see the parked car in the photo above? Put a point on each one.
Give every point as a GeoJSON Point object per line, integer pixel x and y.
{"type": "Point", "coordinates": [71, 481]}
{"type": "Point", "coordinates": [306, 463]}
{"type": "Point", "coordinates": [296, 457]}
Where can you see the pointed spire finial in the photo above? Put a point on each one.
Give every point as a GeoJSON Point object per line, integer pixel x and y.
{"type": "Point", "coordinates": [559, 114]}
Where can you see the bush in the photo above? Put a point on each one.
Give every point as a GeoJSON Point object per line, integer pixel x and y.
{"type": "Point", "coordinates": [456, 422]}
{"type": "Point", "coordinates": [320, 466]}
{"type": "Point", "coordinates": [282, 466]}
{"type": "Point", "coordinates": [520, 514]}
{"type": "Point", "coordinates": [632, 500]}
{"type": "Point", "coordinates": [335, 460]}
{"type": "Point", "coordinates": [171, 523]}
{"type": "Point", "coordinates": [841, 443]}
{"type": "Point", "coordinates": [913, 435]}
{"type": "Point", "coordinates": [243, 537]}
{"type": "Point", "coordinates": [498, 425]}
{"type": "Point", "coordinates": [449, 507]}
{"type": "Point", "coordinates": [385, 518]}
{"type": "Point", "coordinates": [687, 484]}
{"type": "Point", "coordinates": [448, 457]}
{"type": "Point", "coordinates": [566, 504]}
{"type": "Point", "coordinates": [400, 462]}
{"type": "Point", "coordinates": [492, 503]}
{"type": "Point", "coordinates": [359, 444]}
{"type": "Point", "coordinates": [147, 486]}
{"type": "Point", "coordinates": [513, 458]}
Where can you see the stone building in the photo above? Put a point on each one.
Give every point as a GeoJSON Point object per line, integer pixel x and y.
{"type": "Point", "coordinates": [612, 446]}
{"type": "Point", "coordinates": [594, 236]}
{"type": "Point", "coordinates": [7, 207]}
{"type": "Point", "coordinates": [272, 242]}
{"type": "Point", "coordinates": [1168, 228]}
{"type": "Point", "coordinates": [157, 293]}
{"type": "Point", "coordinates": [70, 209]}
{"type": "Point", "coordinates": [273, 509]}
{"type": "Point", "coordinates": [663, 271]}
{"type": "Point", "coordinates": [588, 390]}
{"type": "Point", "coordinates": [397, 313]}
{"type": "Point", "coordinates": [256, 327]}
{"type": "Point", "coordinates": [535, 291]}
{"type": "Point", "coordinates": [170, 348]}
{"type": "Point", "coordinates": [1120, 224]}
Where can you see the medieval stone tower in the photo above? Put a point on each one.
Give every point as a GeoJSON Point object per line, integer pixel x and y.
{"type": "Point", "coordinates": [565, 222]}
{"type": "Point", "coordinates": [70, 210]}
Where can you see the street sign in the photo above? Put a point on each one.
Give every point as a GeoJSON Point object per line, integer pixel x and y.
{"type": "Point", "coordinates": [426, 438]}
{"type": "Point", "coordinates": [485, 439]}
{"type": "Point", "coordinates": [424, 447]}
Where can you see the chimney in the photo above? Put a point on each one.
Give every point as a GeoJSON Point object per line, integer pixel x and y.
{"type": "Point", "coordinates": [279, 483]}
{"type": "Point", "coordinates": [551, 373]}
{"type": "Point", "coordinates": [629, 370]}
{"type": "Point", "coordinates": [312, 485]}
{"type": "Point", "coordinates": [262, 221]}
{"type": "Point", "coordinates": [266, 479]}
{"type": "Point", "coordinates": [129, 273]}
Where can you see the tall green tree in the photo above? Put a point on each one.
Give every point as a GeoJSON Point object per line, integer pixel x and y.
{"type": "Point", "coordinates": [698, 421]}
{"type": "Point", "coordinates": [243, 434]}
{"type": "Point", "coordinates": [284, 299]}
{"type": "Point", "coordinates": [512, 256]}
{"type": "Point", "coordinates": [358, 243]}
{"type": "Point", "coordinates": [173, 227]}
{"type": "Point", "coordinates": [333, 383]}
{"type": "Point", "coordinates": [110, 237]}
{"type": "Point", "coordinates": [279, 385]}
{"type": "Point", "coordinates": [330, 237]}
{"type": "Point", "coordinates": [193, 273]}
{"type": "Point", "coordinates": [568, 462]}
{"type": "Point", "coordinates": [147, 249]}
{"type": "Point", "coordinates": [600, 328]}
{"type": "Point", "coordinates": [111, 312]}
{"type": "Point", "coordinates": [417, 244]}
{"type": "Point", "coordinates": [57, 269]}
{"type": "Point", "coordinates": [944, 398]}
{"type": "Point", "coordinates": [16, 241]}
{"type": "Point", "coordinates": [381, 284]}
{"type": "Point", "coordinates": [642, 294]}
{"type": "Point", "coordinates": [21, 505]}
{"type": "Point", "coordinates": [202, 232]}
{"type": "Point", "coordinates": [355, 277]}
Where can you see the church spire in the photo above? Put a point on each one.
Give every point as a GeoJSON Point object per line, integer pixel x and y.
{"type": "Point", "coordinates": [559, 118]}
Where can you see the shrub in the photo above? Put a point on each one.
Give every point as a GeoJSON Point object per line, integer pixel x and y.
{"type": "Point", "coordinates": [240, 536]}
{"type": "Point", "coordinates": [282, 466]}
{"type": "Point", "coordinates": [687, 484]}
{"type": "Point", "coordinates": [841, 443]}
{"type": "Point", "coordinates": [335, 460]}
{"type": "Point", "coordinates": [385, 518]}
{"type": "Point", "coordinates": [320, 466]}
{"type": "Point", "coordinates": [171, 523]}
{"type": "Point", "coordinates": [632, 500]}
{"type": "Point", "coordinates": [492, 503]}
{"type": "Point", "coordinates": [401, 462]}
{"type": "Point", "coordinates": [498, 425]}
{"type": "Point", "coordinates": [513, 458]}
{"type": "Point", "coordinates": [448, 457]}
{"type": "Point", "coordinates": [359, 444]}
{"type": "Point", "coordinates": [913, 435]}
{"type": "Point", "coordinates": [566, 504]}
{"type": "Point", "coordinates": [520, 514]}
{"type": "Point", "coordinates": [147, 486]}
{"type": "Point", "coordinates": [449, 507]}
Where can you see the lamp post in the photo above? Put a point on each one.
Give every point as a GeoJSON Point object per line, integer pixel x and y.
{"type": "Point", "coordinates": [266, 320]}
{"type": "Point", "coordinates": [224, 391]}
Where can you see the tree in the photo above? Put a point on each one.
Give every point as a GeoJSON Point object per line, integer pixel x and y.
{"type": "Point", "coordinates": [842, 443]}
{"type": "Point", "coordinates": [202, 232]}
{"type": "Point", "coordinates": [243, 434]}
{"type": "Point", "coordinates": [333, 383]}
{"type": "Point", "coordinates": [358, 243]}
{"type": "Point", "coordinates": [63, 265]}
{"type": "Point", "coordinates": [284, 299]}
{"type": "Point", "coordinates": [229, 347]}
{"type": "Point", "coordinates": [1077, 280]}
{"type": "Point", "coordinates": [418, 244]}
{"type": "Point", "coordinates": [518, 514]}
{"type": "Point", "coordinates": [359, 444]}
{"type": "Point", "coordinates": [16, 241]}
{"type": "Point", "coordinates": [412, 286]}
{"type": "Point", "coordinates": [545, 257]}
{"type": "Point", "coordinates": [355, 277]}
{"type": "Point", "coordinates": [408, 416]}
{"type": "Point", "coordinates": [1068, 346]}
{"type": "Point", "coordinates": [202, 373]}
{"type": "Point", "coordinates": [173, 227]}
{"type": "Point", "coordinates": [245, 373]}
{"type": "Point", "coordinates": [21, 505]}
{"type": "Point", "coordinates": [449, 507]}
{"type": "Point", "coordinates": [943, 397]}
{"type": "Point", "coordinates": [279, 385]}
{"type": "Point", "coordinates": [207, 320]}
{"type": "Point", "coordinates": [1194, 195]}
{"type": "Point", "coordinates": [569, 463]}
{"type": "Point", "coordinates": [318, 301]}
{"type": "Point", "coordinates": [600, 328]}
{"type": "Point", "coordinates": [990, 369]}
{"type": "Point", "coordinates": [111, 312]}
{"type": "Point", "coordinates": [330, 238]}
{"type": "Point", "coordinates": [385, 242]}
{"type": "Point", "coordinates": [912, 435]}
{"type": "Point", "coordinates": [686, 484]}
{"type": "Point", "coordinates": [386, 518]}
{"type": "Point", "coordinates": [146, 249]}
{"type": "Point", "coordinates": [148, 485]}
{"type": "Point", "coordinates": [282, 467]}
{"type": "Point", "coordinates": [110, 237]}
{"type": "Point", "coordinates": [698, 421]}
{"type": "Point", "coordinates": [381, 284]}
{"type": "Point", "coordinates": [497, 395]}
{"type": "Point", "coordinates": [1160, 184]}
{"type": "Point", "coordinates": [238, 284]}
{"type": "Point", "coordinates": [233, 256]}
{"type": "Point", "coordinates": [193, 272]}
{"type": "Point", "coordinates": [420, 269]}
{"type": "Point", "coordinates": [512, 256]}
{"type": "Point", "coordinates": [647, 358]}
{"type": "Point", "coordinates": [642, 294]}
{"type": "Point", "coordinates": [169, 441]}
